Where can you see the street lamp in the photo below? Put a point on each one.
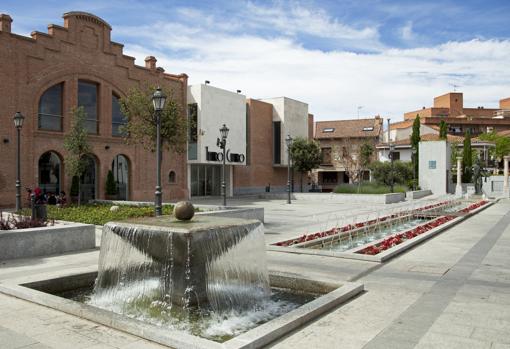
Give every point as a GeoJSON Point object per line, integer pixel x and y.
{"type": "Point", "coordinates": [222, 143]}
{"type": "Point", "coordinates": [18, 123]}
{"type": "Point", "coordinates": [392, 178]}
{"type": "Point", "coordinates": [288, 141]}
{"type": "Point", "coordinates": [158, 101]}
{"type": "Point", "coordinates": [414, 152]}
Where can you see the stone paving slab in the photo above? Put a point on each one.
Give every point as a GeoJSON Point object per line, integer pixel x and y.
{"type": "Point", "coordinates": [474, 315]}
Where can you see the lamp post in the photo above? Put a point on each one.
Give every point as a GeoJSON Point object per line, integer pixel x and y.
{"type": "Point", "coordinates": [392, 177]}
{"type": "Point", "coordinates": [222, 143]}
{"type": "Point", "coordinates": [158, 101]}
{"type": "Point", "coordinates": [288, 142]}
{"type": "Point", "coordinates": [18, 123]}
{"type": "Point", "coordinates": [414, 152]}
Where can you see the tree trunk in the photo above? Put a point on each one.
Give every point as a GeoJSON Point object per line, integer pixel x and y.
{"type": "Point", "coordinates": [79, 190]}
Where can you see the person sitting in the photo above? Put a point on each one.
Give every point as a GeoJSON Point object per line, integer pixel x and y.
{"type": "Point", "coordinates": [52, 200]}
{"type": "Point", "coordinates": [62, 200]}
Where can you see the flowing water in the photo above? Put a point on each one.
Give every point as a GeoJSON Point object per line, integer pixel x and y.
{"type": "Point", "coordinates": [143, 271]}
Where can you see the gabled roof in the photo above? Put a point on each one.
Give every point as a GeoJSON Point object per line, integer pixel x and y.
{"type": "Point", "coordinates": [359, 128]}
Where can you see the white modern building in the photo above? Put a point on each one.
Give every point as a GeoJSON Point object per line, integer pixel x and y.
{"type": "Point", "coordinates": [290, 117]}
{"type": "Point", "coordinates": [209, 108]}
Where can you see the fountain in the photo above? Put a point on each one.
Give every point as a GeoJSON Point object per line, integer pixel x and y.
{"type": "Point", "coordinates": [207, 260]}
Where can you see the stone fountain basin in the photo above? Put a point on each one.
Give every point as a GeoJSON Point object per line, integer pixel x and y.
{"type": "Point", "coordinates": [189, 238]}
{"type": "Point", "coordinates": [38, 290]}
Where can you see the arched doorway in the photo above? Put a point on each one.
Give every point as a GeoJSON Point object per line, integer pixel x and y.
{"type": "Point", "coordinates": [88, 179]}
{"type": "Point", "coordinates": [49, 173]}
{"type": "Point", "coordinates": [120, 170]}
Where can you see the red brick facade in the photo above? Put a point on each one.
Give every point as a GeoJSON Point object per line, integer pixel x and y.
{"type": "Point", "coordinates": [80, 50]}
{"type": "Point", "coordinates": [259, 171]}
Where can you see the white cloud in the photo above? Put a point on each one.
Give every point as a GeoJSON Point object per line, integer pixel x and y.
{"type": "Point", "coordinates": [407, 31]}
{"type": "Point", "coordinates": [388, 82]}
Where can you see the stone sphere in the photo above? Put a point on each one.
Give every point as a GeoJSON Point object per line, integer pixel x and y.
{"type": "Point", "coordinates": [184, 210]}
{"type": "Point", "coordinates": [114, 208]}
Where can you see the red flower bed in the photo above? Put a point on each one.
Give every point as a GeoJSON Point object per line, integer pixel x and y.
{"type": "Point", "coordinates": [399, 238]}
{"type": "Point", "coordinates": [346, 228]}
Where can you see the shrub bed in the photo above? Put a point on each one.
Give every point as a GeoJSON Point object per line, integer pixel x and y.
{"type": "Point", "coordinates": [99, 214]}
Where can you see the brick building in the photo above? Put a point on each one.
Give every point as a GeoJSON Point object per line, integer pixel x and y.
{"type": "Point", "coordinates": [342, 138]}
{"type": "Point", "coordinates": [450, 108]}
{"type": "Point", "coordinates": [44, 76]}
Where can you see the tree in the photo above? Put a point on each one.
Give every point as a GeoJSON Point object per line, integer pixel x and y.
{"type": "Point", "coordinates": [306, 155]}
{"type": "Point", "coordinates": [111, 186]}
{"type": "Point", "coordinates": [415, 142]}
{"type": "Point", "coordinates": [467, 158]}
{"type": "Point", "coordinates": [77, 146]}
{"type": "Point", "coordinates": [355, 159]}
{"type": "Point", "coordinates": [140, 127]}
{"type": "Point", "coordinates": [402, 170]}
{"type": "Point", "coordinates": [455, 152]}
{"type": "Point", "coordinates": [443, 130]}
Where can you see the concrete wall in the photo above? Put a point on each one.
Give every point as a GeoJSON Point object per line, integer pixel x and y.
{"type": "Point", "coordinates": [215, 108]}
{"type": "Point", "coordinates": [294, 117]}
{"type": "Point", "coordinates": [405, 154]}
{"type": "Point", "coordinates": [45, 241]}
{"type": "Point", "coordinates": [434, 179]}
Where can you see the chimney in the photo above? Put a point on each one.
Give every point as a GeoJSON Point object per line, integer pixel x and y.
{"type": "Point", "coordinates": [150, 62]}
{"type": "Point", "coordinates": [5, 23]}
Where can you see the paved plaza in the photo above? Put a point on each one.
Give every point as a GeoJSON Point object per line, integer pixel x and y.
{"type": "Point", "coordinates": [452, 291]}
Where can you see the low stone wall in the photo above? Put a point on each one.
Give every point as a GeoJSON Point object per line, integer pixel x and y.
{"type": "Point", "coordinates": [44, 241]}
{"type": "Point", "coordinates": [340, 198]}
{"type": "Point", "coordinates": [233, 212]}
{"type": "Point", "coordinates": [417, 194]}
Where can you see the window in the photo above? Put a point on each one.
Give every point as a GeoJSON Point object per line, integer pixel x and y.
{"type": "Point", "coordinates": [171, 177]}
{"type": "Point", "coordinates": [326, 156]}
{"type": "Point", "coordinates": [192, 131]}
{"type": "Point", "coordinates": [87, 98]}
{"type": "Point", "coordinates": [50, 109]}
{"type": "Point", "coordinates": [277, 142]}
{"type": "Point", "coordinates": [329, 177]}
{"type": "Point", "coordinates": [118, 119]}
{"type": "Point", "coordinates": [49, 173]}
{"type": "Point", "coordinates": [395, 155]}
{"type": "Point", "coordinates": [368, 128]}
{"type": "Point", "coordinates": [120, 170]}
{"type": "Point", "coordinates": [328, 129]}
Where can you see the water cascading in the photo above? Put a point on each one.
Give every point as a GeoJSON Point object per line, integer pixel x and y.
{"type": "Point", "coordinates": [213, 261]}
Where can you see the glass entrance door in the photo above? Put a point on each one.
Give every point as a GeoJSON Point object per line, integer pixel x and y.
{"type": "Point", "coordinates": [206, 180]}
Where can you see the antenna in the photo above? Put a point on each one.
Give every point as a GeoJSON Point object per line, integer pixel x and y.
{"type": "Point", "coordinates": [359, 108]}
{"type": "Point", "coordinates": [455, 87]}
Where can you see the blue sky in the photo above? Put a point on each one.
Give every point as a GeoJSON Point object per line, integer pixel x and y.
{"type": "Point", "coordinates": [386, 56]}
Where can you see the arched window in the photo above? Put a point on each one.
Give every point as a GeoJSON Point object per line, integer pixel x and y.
{"type": "Point", "coordinates": [49, 173]}
{"type": "Point", "coordinates": [87, 98]}
{"type": "Point", "coordinates": [120, 170]}
{"type": "Point", "coordinates": [118, 119]}
{"type": "Point", "coordinates": [50, 109]}
{"type": "Point", "coordinates": [172, 177]}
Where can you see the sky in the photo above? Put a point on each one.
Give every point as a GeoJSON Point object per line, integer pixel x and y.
{"type": "Point", "coordinates": [343, 57]}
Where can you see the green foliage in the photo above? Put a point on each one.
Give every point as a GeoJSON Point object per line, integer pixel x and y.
{"type": "Point", "coordinates": [368, 188]}
{"type": "Point", "coordinates": [141, 126]}
{"type": "Point", "coordinates": [365, 153]}
{"type": "Point", "coordinates": [502, 144]}
{"type": "Point", "coordinates": [402, 172]}
{"type": "Point", "coordinates": [111, 186]}
{"type": "Point", "coordinates": [75, 188]}
{"type": "Point", "coordinates": [100, 214]}
{"type": "Point", "coordinates": [467, 159]}
{"type": "Point", "coordinates": [415, 142]}
{"type": "Point", "coordinates": [76, 144]}
{"type": "Point", "coordinates": [443, 130]}
{"type": "Point", "coordinates": [306, 154]}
